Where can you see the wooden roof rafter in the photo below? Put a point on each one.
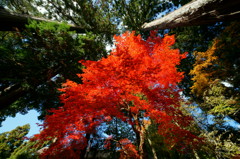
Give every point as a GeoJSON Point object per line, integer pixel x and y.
{"type": "Point", "coordinates": [198, 12]}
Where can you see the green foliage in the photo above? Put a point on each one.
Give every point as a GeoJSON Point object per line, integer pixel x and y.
{"type": "Point", "coordinates": [9, 141]}
{"type": "Point", "coordinates": [194, 39]}
{"type": "Point", "coordinates": [220, 140]}
{"type": "Point", "coordinates": [219, 145]}
{"type": "Point", "coordinates": [28, 150]}
{"type": "Point", "coordinates": [25, 151]}
{"type": "Point", "coordinates": [228, 53]}
{"type": "Point", "coordinates": [217, 102]}
{"type": "Point", "coordinates": [134, 13]}
{"type": "Point", "coordinates": [21, 6]}
{"type": "Point", "coordinates": [218, 65]}
{"type": "Point", "coordinates": [211, 68]}
{"type": "Point", "coordinates": [14, 144]}
{"type": "Point", "coordinates": [93, 16]}
{"type": "Point", "coordinates": [216, 90]}
{"type": "Point", "coordinates": [36, 61]}
{"type": "Point", "coordinates": [156, 142]}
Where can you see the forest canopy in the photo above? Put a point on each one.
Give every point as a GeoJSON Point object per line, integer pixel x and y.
{"type": "Point", "coordinates": [156, 94]}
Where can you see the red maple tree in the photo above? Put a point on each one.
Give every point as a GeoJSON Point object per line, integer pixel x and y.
{"type": "Point", "coordinates": [136, 82]}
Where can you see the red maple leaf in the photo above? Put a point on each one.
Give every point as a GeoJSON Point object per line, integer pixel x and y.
{"type": "Point", "coordinates": [138, 77]}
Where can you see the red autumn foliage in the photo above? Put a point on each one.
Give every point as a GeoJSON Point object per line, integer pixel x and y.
{"type": "Point", "coordinates": [128, 150]}
{"type": "Point", "coordinates": [138, 77]}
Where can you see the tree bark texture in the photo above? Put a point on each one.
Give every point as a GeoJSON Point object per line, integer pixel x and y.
{"type": "Point", "coordinates": [140, 134]}
{"type": "Point", "coordinates": [198, 12]}
{"type": "Point", "coordinates": [10, 21]}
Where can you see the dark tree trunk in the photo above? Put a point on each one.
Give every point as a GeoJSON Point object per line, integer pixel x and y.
{"type": "Point", "coordinates": [11, 94]}
{"type": "Point", "coordinates": [10, 21]}
{"type": "Point", "coordinates": [83, 153]}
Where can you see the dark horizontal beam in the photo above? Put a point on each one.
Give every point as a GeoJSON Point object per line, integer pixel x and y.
{"type": "Point", "coordinates": [11, 21]}
{"type": "Point", "coordinates": [198, 12]}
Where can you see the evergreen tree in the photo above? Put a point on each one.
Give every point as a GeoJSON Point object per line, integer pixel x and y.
{"type": "Point", "coordinates": [9, 141]}
{"type": "Point", "coordinates": [36, 61]}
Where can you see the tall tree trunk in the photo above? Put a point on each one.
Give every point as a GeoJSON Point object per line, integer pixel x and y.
{"type": "Point", "coordinates": [141, 143]}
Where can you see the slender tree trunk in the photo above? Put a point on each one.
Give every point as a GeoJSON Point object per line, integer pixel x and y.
{"type": "Point", "coordinates": [195, 154]}
{"type": "Point", "coordinates": [140, 135]}
{"type": "Point", "coordinates": [153, 149]}
{"type": "Point", "coordinates": [83, 153]}
{"type": "Point", "coordinates": [141, 143]}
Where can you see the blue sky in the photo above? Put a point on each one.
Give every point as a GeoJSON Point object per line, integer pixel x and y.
{"type": "Point", "coordinates": [31, 117]}
{"type": "Point", "coordinates": [20, 120]}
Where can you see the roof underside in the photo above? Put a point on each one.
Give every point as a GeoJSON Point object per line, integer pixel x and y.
{"type": "Point", "coordinates": [198, 12]}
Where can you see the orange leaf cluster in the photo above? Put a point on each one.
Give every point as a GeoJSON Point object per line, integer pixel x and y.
{"type": "Point", "coordinates": [128, 150]}
{"type": "Point", "coordinates": [203, 69]}
{"type": "Point", "coordinates": [139, 76]}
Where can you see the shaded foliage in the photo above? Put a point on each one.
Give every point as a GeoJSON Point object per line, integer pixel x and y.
{"type": "Point", "coordinates": [217, 66]}
{"type": "Point", "coordinates": [35, 62]}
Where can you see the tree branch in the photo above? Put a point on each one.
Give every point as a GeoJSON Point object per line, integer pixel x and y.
{"type": "Point", "coordinates": [11, 21]}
